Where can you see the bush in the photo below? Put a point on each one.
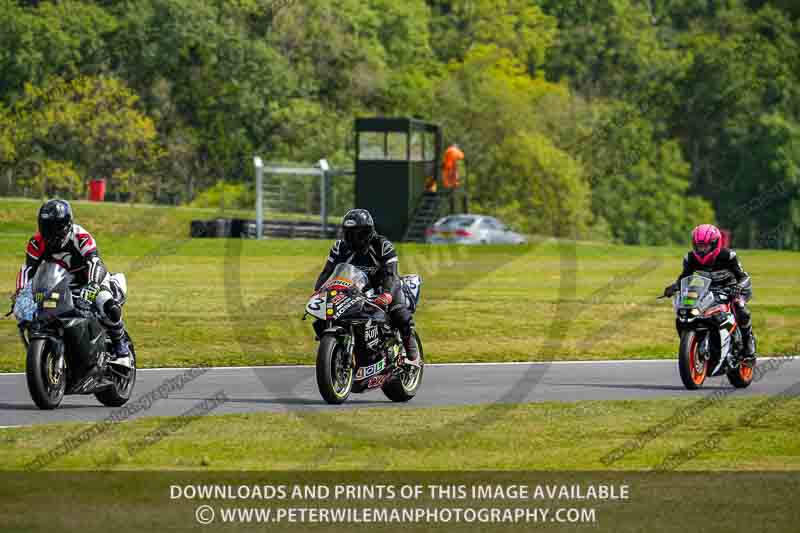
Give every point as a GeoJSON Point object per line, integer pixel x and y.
{"type": "Point", "coordinates": [224, 195]}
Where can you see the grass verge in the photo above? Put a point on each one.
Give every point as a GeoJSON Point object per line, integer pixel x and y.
{"type": "Point", "coordinates": [541, 436]}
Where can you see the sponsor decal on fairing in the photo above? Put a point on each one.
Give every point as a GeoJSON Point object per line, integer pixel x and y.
{"type": "Point", "coordinates": [367, 371]}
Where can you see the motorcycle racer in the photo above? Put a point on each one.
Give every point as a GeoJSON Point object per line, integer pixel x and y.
{"type": "Point", "coordinates": [723, 267]}
{"type": "Point", "coordinates": [376, 256]}
{"type": "Point", "coordinates": [60, 240]}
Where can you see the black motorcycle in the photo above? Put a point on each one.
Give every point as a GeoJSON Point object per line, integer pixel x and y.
{"type": "Point", "coordinates": [68, 351]}
{"type": "Point", "coordinates": [358, 349]}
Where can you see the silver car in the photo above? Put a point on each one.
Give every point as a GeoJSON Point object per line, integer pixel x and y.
{"type": "Point", "coordinates": [472, 229]}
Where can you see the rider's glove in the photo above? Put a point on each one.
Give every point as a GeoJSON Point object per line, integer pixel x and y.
{"type": "Point", "coordinates": [384, 300]}
{"type": "Point", "coordinates": [90, 291]}
{"type": "Point", "coordinates": [736, 291]}
{"type": "Point", "coordinates": [82, 304]}
{"type": "Point", "coordinates": [87, 296]}
{"type": "Point", "coordinates": [670, 290]}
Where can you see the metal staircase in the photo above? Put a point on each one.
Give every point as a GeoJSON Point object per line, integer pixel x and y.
{"type": "Point", "coordinates": [428, 211]}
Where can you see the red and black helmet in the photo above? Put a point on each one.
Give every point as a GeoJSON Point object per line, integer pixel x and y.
{"type": "Point", "coordinates": [706, 243]}
{"type": "Point", "coordinates": [55, 222]}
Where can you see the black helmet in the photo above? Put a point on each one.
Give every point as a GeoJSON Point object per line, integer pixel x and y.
{"type": "Point", "coordinates": [358, 228]}
{"type": "Point", "coordinates": [55, 222]}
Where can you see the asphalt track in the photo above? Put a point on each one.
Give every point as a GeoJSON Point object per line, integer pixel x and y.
{"type": "Point", "coordinates": [281, 389]}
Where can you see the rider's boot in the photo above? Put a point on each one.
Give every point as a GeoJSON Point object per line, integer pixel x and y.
{"type": "Point", "coordinates": [119, 343]}
{"type": "Point", "coordinates": [749, 342]}
{"type": "Point", "coordinates": [412, 351]}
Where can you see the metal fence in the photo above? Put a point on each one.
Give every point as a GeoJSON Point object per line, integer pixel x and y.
{"type": "Point", "coordinates": [302, 196]}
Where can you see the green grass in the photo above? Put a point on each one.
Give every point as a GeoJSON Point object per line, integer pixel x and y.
{"type": "Point", "coordinates": [541, 436]}
{"type": "Point", "coordinates": [233, 302]}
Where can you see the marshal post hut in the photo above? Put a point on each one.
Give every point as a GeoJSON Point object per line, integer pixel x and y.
{"type": "Point", "coordinates": [398, 176]}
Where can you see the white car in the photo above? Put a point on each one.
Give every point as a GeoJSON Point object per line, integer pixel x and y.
{"type": "Point", "coordinates": [472, 229]}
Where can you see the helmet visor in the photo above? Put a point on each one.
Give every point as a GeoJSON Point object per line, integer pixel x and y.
{"type": "Point", "coordinates": [54, 231]}
{"type": "Point", "coordinates": [358, 238]}
{"type": "Point", "coordinates": [702, 248]}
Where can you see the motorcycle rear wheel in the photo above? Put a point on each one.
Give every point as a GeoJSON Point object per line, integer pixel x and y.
{"type": "Point", "coordinates": [120, 392]}
{"type": "Point", "coordinates": [334, 371]}
{"type": "Point", "coordinates": [741, 377]}
{"type": "Point", "coordinates": [46, 382]}
{"type": "Point", "coordinates": [692, 369]}
{"type": "Point", "coordinates": [404, 387]}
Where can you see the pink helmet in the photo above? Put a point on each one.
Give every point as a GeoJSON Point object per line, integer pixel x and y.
{"type": "Point", "coordinates": [706, 243]}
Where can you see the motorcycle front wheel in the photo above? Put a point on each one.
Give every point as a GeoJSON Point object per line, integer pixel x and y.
{"type": "Point", "coordinates": [334, 371]}
{"type": "Point", "coordinates": [692, 367]}
{"type": "Point", "coordinates": [46, 374]}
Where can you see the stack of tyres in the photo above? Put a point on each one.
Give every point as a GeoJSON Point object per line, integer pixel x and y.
{"type": "Point", "coordinates": [198, 229]}
{"type": "Point", "coordinates": [217, 228]}
{"type": "Point", "coordinates": [221, 228]}
{"type": "Point", "coordinates": [242, 228]}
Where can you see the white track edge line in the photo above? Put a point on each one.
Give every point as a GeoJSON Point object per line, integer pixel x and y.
{"type": "Point", "coordinates": [508, 363]}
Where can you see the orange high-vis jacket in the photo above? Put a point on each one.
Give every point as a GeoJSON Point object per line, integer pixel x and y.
{"type": "Point", "coordinates": [450, 167]}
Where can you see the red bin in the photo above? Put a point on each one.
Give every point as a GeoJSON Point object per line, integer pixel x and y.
{"type": "Point", "coordinates": [97, 190]}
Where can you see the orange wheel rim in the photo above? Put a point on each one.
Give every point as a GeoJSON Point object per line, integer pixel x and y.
{"type": "Point", "coordinates": [697, 376]}
{"type": "Point", "coordinates": [746, 372]}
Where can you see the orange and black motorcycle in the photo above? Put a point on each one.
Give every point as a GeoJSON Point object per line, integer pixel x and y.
{"type": "Point", "coordinates": [711, 341]}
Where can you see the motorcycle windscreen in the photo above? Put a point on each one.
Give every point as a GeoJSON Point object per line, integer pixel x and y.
{"type": "Point", "coordinates": [695, 293]}
{"type": "Point", "coordinates": [51, 293]}
{"type": "Point", "coordinates": [347, 276]}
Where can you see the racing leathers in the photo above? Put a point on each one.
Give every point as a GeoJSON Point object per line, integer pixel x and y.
{"type": "Point", "coordinates": [79, 255]}
{"type": "Point", "coordinates": [380, 264]}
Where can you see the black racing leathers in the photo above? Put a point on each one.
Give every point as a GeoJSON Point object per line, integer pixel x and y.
{"type": "Point", "coordinates": [380, 263]}
{"type": "Point", "coordinates": [725, 271]}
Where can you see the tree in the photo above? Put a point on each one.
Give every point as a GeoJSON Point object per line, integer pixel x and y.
{"type": "Point", "coordinates": [518, 26]}
{"type": "Point", "coordinates": [490, 106]}
{"type": "Point", "coordinates": [86, 127]}
{"type": "Point", "coordinates": [542, 189]}
{"type": "Point", "coordinates": [335, 49]}
{"type": "Point", "coordinates": [763, 208]}
{"type": "Point", "coordinates": [639, 185]}
{"type": "Point", "coordinates": [64, 39]}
